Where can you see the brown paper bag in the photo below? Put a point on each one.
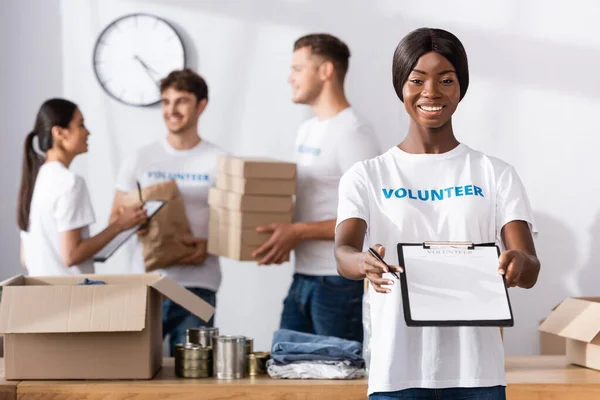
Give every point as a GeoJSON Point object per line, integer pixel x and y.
{"type": "Point", "coordinates": [163, 244]}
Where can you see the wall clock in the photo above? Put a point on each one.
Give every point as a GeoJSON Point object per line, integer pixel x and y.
{"type": "Point", "coordinates": [132, 55]}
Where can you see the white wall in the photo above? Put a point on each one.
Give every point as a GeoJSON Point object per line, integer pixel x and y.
{"type": "Point", "coordinates": [534, 90]}
{"type": "Point", "coordinates": [30, 72]}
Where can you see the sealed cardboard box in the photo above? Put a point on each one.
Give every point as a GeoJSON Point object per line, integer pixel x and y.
{"type": "Point", "coordinates": [212, 247]}
{"type": "Point", "coordinates": [225, 244]}
{"type": "Point", "coordinates": [245, 236]}
{"type": "Point", "coordinates": [273, 187]}
{"type": "Point", "coordinates": [578, 321]}
{"type": "Point", "coordinates": [249, 167]}
{"type": "Point", "coordinates": [235, 243]}
{"type": "Point", "coordinates": [56, 328]}
{"type": "Point", "coordinates": [240, 219]}
{"type": "Point", "coordinates": [249, 203]}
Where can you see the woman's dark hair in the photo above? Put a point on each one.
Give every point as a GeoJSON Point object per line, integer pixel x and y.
{"type": "Point", "coordinates": [54, 112]}
{"type": "Point", "coordinates": [422, 41]}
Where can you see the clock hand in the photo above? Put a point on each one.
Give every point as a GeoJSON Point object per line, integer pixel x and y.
{"type": "Point", "coordinates": [147, 69]}
{"type": "Point", "coordinates": [145, 65]}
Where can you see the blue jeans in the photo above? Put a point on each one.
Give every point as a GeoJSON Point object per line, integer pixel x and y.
{"type": "Point", "coordinates": [478, 393]}
{"type": "Point", "coordinates": [176, 319]}
{"type": "Point", "coordinates": [324, 305]}
{"type": "Point", "coordinates": [292, 346]}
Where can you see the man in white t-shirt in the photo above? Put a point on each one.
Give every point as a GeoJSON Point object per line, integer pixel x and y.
{"type": "Point", "coordinates": [191, 161]}
{"type": "Point", "coordinates": [319, 300]}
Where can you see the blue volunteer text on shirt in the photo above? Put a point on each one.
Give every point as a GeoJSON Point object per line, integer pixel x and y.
{"type": "Point", "coordinates": [433, 194]}
{"type": "Point", "coordinates": [182, 176]}
{"type": "Point", "coordinates": [311, 150]}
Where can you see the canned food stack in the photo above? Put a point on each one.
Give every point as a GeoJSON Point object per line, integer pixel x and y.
{"type": "Point", "coordinates": [201, 336]}
{"type": "Point", "coordinates": [193, 361]}
{"type": "Point", "coordinates": [206, 353]}
{"type": "Point", "coordinates": [250, 192]}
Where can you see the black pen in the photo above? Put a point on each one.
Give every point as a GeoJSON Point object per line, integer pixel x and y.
{"type": "Point", "coordinates": [139, 190]}
{"type": "Point", "coordinates": [378, 257]}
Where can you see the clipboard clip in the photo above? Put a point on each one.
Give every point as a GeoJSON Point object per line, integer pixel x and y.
{"type": "Point", "coordinates": [468, 245]}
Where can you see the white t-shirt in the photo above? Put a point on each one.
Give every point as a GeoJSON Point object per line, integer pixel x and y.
{"type": "Point", "coordinates": [194, 170]}
{"type": "Point", "coordinates": [60, 203]}
{"type": "Point", "coordinates": [461, 195]}
{"type": "Point", "coordinates": [325, 149]}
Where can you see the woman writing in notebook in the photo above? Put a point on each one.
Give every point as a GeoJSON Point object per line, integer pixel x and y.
{"type": "Point", "coordinates": [431, 187]}
{"type": "Point", "coordinates": [54, 208]}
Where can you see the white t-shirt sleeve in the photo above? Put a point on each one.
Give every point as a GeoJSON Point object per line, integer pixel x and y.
{"type": "Point", "coordinates": [512, 203]}
{"type": "Point", "coordinates": [353, 200]}
{"type": "Point", "coordinates": [73, 208]}
{"type": "Point", "coordinates": [356, 145]}
{"type": "Point", "coordinates": [126, 179]}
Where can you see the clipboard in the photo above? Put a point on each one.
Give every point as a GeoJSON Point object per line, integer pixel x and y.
{"type": "Point", "coordinates": [453, 284]}
{"type": "Point", "coordinates": [152, 207]}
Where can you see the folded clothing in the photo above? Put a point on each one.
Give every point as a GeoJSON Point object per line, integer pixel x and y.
{"type": "Point", "coordinates": [315, 370]}
{"type": "Point", "coordinates": [291, 346]}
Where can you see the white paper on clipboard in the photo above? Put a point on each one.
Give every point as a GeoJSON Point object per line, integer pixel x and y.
{"type": "Point", "coordinates": [448, 284]}
{"type": "Point", "coordinates": [151, 207]}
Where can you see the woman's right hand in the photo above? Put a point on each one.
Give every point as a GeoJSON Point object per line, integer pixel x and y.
{"type": "Point", "coordinates": [374, 269]}
{"type": "Point", "coordinates": [130, 217]}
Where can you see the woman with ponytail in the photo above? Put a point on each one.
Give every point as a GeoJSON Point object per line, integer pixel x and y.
{"type": "Point", "coordinates": [54, 207]}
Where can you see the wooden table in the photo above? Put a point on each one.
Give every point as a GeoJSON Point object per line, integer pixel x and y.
{"type": "Point", "coordinates": [549, 378]}
{"type": "Point", "coordinates": [8, 389]}
{"type": "Point", "coordinates": [531, 378]}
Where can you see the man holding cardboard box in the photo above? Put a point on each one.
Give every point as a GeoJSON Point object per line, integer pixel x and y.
{"type": "Point", "coordinates": [319, 300]}
{"type": "Point", "coordinates": [190, 161]}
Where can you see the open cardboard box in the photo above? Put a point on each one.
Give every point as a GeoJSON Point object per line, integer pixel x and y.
{"type": "Point", "coordinates": [55, 328]}
{"type": "Point", "coordinates": [578, 321]}
{"type": "Point", "coordinates": [551, 344]}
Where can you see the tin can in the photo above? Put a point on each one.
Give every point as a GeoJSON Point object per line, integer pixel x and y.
{"type": "Point", "coordinates": [201, 336]}
{"type": "Point", "coordinates": [257, 363]}
{"type": "Point", "coordinates": [229, 357]}
{"type": "Point", "coordinates": [249, 345]}
{"type": "Point", "coordinates": [193, 361]}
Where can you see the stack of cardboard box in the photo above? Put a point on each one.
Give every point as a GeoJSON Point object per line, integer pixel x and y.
{"type": "Point", "coordinates": [250, 192]}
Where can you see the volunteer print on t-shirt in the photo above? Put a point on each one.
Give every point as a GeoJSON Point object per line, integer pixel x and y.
{"type": "Point", "coordinates": [460, 195]}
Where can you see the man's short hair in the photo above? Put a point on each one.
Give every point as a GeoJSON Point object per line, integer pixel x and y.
{"type": "Point", "coordinates": [328, 47]}
{"type": "Point", "coordinates": [186, 80]}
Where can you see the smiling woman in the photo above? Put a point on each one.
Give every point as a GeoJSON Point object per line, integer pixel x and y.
{"type": "Point", "coordinates": [416, 46]}
{"type": "Point", "coordinates": [387, 200]}
{"type": "Point", "coordinates": [55, 211]}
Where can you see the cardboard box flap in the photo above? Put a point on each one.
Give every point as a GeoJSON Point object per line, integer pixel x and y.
{"type": "Point", "coordinates": [15, 280]}
{"type": "Point", "coordinates": [574, 318]}
{"type": "Point", "coordinates": [184, 298]}
{"type": "Point", "coordinates": [74, 308]}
